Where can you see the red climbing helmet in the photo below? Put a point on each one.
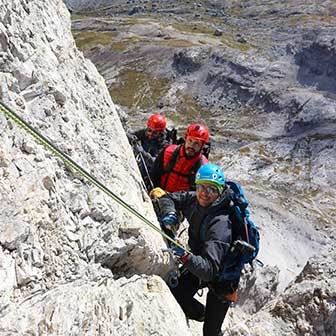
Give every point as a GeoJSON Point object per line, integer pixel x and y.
{"type": "Point", "coordinates": [198, 132]}
{"type": "Point", "coordinates": [157, 122]}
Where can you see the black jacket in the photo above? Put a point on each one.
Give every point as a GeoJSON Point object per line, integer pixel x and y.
{"type": "Point", "coordinates": [153, 147]}
{"type": "Point", "coordinates": [210, 232]}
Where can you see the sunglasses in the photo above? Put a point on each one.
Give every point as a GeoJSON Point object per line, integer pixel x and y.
{"type": "Point", "coordinates": [206, 188]}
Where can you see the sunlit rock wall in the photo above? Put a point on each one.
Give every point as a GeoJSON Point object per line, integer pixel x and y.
{"type": "Point", "coordinates": [65, 246]}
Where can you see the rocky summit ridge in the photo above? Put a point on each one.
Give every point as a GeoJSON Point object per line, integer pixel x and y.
{"type": "Point", "coordinates": [73, 262]}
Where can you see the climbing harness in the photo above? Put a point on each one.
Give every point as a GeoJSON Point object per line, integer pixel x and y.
{"type": "Point", "coordinates": [72, 164]}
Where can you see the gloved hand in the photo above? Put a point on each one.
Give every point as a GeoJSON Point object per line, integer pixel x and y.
{"type": "Point", "coordinates": [157, 193]}
{"type": "Point", "coordinates": [181, 254]}
{"type": "Point", "coordinates": [147, 156]}
{"type": "Point", "coordinates": [242, 247]}
{"type": "Point", "coordinates": [137, 148]}
{"type": "Point", "coordinates": [169, 221]}
{"type": "Point", "coordinates": [132, 138]}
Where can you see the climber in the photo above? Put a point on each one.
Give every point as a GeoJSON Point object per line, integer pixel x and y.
{"type": "Point", "coordinates": [175, 167]}
{"type": "Point", "coordinates": [148, 142]}
{"type": "Point", "coordinates": [154, 137]}
{"type": "Point", "coordinates": [210, 238]}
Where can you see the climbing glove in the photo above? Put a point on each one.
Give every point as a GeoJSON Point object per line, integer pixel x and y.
{"type": "Point", "coordinates": [132, 139]}
{"type": "Point", "coordinates": [157, 193]}
{"type": "Point", "coordinates": [242, 247]}
{"type": "Point", "coordinates": [147, 156]}
{"type": "Point", "coordinates": [169, 221]}
{"type": "Point", "coordinates": [181, 254]}
{"type": "Point", "coordinates": [138, 149]}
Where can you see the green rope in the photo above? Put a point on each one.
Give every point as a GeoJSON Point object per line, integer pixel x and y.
{"type": "Point", "coordinates": [72, 164]}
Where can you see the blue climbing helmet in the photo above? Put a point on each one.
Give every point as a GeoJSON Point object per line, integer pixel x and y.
{"type": "Point", "coordinates": [211, 173]}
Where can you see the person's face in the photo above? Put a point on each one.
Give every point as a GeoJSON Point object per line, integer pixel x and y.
{"type": "Point", "coordinates": [152, 134]}
{"type": "Point", "coordinates": [192, 146]}
{"type": "Point", "coordinates": [206, 194]}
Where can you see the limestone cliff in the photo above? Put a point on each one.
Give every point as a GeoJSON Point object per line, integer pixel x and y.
{"type": "Point", "coordinates": [72, 261]}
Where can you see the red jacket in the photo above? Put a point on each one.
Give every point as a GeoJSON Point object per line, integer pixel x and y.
{"type": "Point", "coordinates": [181, 175]}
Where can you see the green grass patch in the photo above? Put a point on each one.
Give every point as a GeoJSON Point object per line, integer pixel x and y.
{"type": "Point", "coordinates": [131, 42]}
{"type": "Point", "coordinates": [245, 150]}
{"type": "Point", "coordinates": [308, 20]}
{"type": "Point", "coordinates": [137, 88]}
{"type": "Point", "coordinates": [176, 43]}
{"type": "Point", "coordinates": [194, 28]}
{"type": "Point", "coordinates": [119, 46]}
{"type": "Point", "coordinates": [231, 42]}
{"type": "Point", "coordinates": [78, 17]}
{"type": "Point", "coordinates": [86, 40]}
{"type": "Point", "coordinates": [187, 110]}
{"type": "Point", "coordinates": [131, 21]}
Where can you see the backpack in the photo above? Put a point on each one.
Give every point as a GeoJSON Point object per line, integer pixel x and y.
{"type": "Point", "coordinates": [172, 135]}
{"type": "Point", "coordinates": [245, 235]}
{"type": "Point", "coordinates": [243, 228]}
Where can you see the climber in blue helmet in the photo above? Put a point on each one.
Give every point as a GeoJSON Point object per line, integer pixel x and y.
{"type": "Point", "coordinates": [210, 234]}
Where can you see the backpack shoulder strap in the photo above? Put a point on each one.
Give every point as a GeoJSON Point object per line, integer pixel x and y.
{"type": "Point", "coordinates": [172, 161]}
{"type": "Point", "coordinates": [193, 171]}
{"type": "Point", "coordinates": [206, 149]}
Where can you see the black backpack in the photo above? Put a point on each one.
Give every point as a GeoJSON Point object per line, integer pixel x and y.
{"type": "Point", "coordinates": [171, 135]}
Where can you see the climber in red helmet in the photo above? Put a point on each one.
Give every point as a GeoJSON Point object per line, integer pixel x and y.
{"type": "Point", "coordinates": [175, 167]}
{"type": "Point", "coordinates": [153, 136]}
{"type": "Point", "coordinates": [148, 142]}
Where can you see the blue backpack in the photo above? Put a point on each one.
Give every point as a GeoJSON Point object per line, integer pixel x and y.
{"type": "Point", "coordinates": [243, 231]}
{"type": "Point", "coordinates": [243, 227]}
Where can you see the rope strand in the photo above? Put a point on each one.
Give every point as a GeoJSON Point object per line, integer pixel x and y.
{"type": "Point", "coordinates": [72, 164]}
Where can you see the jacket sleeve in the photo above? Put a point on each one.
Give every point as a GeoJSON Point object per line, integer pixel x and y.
{"type": "Point", "coordinates": [141, 135]}
{"type": "Point", "coordinates": [136, 136]}
{"type": "Point", "coordinates": [208, 264]}
{"type": "Point", "coordinates": [192, 177]}
{"type": "Point", "coordinates": [174, 202]}
{"type": "Point", "coordinates": [157, 170]}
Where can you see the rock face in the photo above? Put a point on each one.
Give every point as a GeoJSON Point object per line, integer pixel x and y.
{"type": "Point", "coordinates": [299, 88]}
{"type": "Point", "coordinates": [309, 303]}
{"type": "Point", "coordinates": [317, 64]}
{"type": "Point", "coordinates": [307, 306]}
{"type": "Point", "coordinates": [123, 307]}
{"type": "Point", "coordinates": [72, 261]}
